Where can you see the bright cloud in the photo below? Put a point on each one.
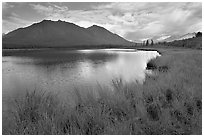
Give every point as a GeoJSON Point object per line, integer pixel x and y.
{"type": "Point", "coordinates": [133, 21]}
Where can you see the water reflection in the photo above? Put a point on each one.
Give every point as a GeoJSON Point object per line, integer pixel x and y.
{"type": "Point", "coordinates": [61, 70]}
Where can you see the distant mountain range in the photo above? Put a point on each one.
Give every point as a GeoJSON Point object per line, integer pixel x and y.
{"type": "Point", "coordinates": [177, 37]}
{"type": "Point", "coordinates": [169, 38]}
{"type": "Point", "coordinates": [49, 33]}
{"type": "Point", "coordinates": [185, 36]}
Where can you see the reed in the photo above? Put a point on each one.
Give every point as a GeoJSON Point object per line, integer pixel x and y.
{"type": "Point", "coordinates": [169, 102]}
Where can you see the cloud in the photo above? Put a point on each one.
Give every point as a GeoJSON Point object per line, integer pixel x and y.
{"type": "Point", "coordinates": [50, 11]}
{"type": "Point", "coordinates": [133, 21]}
{"type": "Point", "coordinates": [13, 23]}
{"type": "Point", "coordinates": [6, 5]}
{"type": "Point", "coordinates": [151, 19]}
{"type": "Point", "coordinates": [80, 17]}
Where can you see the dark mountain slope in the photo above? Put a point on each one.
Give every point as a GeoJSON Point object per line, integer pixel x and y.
{"type": "Point", "coordinates": [60, 34]}
{"type": "Point", "coordinates": [105, 36]}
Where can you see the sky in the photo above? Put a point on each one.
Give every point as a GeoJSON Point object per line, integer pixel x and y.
{"type": "Point", "coordinates": [135, 21]}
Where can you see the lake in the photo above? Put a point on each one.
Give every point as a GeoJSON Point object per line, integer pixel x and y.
{"type": "Point", "coordinates": [61, 71]}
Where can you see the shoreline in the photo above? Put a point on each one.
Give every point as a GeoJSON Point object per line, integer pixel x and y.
{"type": "Point", "coordinates": [163, 103]}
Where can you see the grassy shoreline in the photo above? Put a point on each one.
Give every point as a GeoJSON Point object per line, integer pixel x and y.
{"type": "Point", "coordinates": [167, 103]}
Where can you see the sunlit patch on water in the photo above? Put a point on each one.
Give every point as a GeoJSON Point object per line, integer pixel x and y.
{"type": "Point", "coordinates": [61, 70]}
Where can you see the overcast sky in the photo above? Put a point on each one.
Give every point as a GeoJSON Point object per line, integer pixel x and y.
{"type": "Point", "coordinates": [133, 21]}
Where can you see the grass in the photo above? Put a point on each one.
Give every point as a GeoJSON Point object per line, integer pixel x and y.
{"type": "Point", "coordinates": [169, 102]}
{"type": "Point", "coordinates": [195, 42]}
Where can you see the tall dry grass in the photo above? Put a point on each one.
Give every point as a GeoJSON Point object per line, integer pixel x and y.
{"type": "Point", "coordinates": [169, 102]}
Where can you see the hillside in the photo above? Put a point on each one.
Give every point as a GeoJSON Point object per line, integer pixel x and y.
{"type": "Point", "coordinates": [195, 42]}
{"type": "Point", "coordinates": [60, 34]}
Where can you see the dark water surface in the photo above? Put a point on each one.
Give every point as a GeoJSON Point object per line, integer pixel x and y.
{"type": "Point", "coordinates": [61, 71]}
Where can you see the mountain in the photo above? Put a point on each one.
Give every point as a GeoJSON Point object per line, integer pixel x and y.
{"type": "Point", "coordinates": [106, 37]}
{"type": "Point", "coordinates": [194, 42]}
{"type": "Point", "coordinates": [172, 38]}
{"type": "Point", "coordinates": [49, 33]}
{"type": "Point", "coordinates": [176, 37]}
{"type": "Point", "coordinates": [187, 36]}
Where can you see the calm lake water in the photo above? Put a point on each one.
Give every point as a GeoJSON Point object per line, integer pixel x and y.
{"type": "Point", "coordinates": [61, 71]}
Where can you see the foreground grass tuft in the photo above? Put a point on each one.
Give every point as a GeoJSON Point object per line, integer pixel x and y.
{"type": "Point", "coordinates": [167, 103]}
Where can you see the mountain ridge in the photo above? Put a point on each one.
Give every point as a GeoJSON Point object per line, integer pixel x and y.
{"type": "Point", "coordinates": [59, 33]}
{"type": "Point", "coordinates": [180, 37]}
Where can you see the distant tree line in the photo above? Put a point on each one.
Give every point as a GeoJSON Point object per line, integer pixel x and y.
{"type": "Point", "coordinates": [146, 43]}
{"type": "Point", "coordinates": [199, 34]}
{"type": "Point", "coordinates": [195, 42]}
